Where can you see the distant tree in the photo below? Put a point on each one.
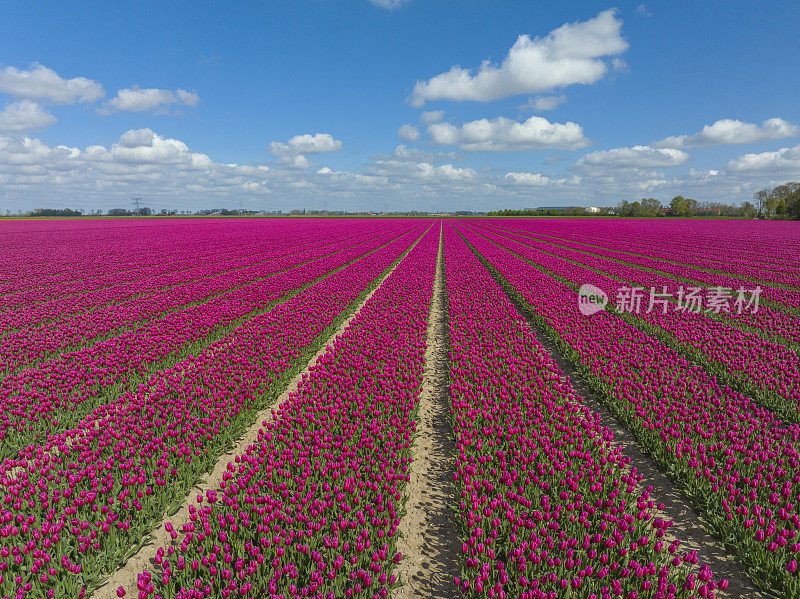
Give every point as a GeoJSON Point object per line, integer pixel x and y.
{"type": "Point", "coordinates": [785, 190]}
{"type": "Point", "coordinates": [56, 212]}
{"type": "Point", "coordinates": [793, 204]}
{"type": "Point", "coordinates": [761, 198]}
{"type": "Point", "coordinates": [681, 206]}
{"type": "Point", "coordinates": [143, 211]}
{"type": "Point", "coordinates": [575, 211]}
{"type": "Point", "coordinates": [748, 210]}
{"type": "Point", "coordinates": [651, 207]}
{"type": "Point", "coordinates": [118, 212]}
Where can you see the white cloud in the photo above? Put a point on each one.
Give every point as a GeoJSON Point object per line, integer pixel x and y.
{"type": "Point", "coordinates": [419, 171]}
{"type": "Point", "coordinates": [406, 154]}
{"type": "Point", "coordinates": [785, 160]}
{"type": "Point", "coordinates": [555, 158]}
{"type": "Point", "coordinates": [649, 184]}
{"type": "Point", "coordinates": [137, 99]}
{"type": "Point", "coordinates": [502, 134]}
{"type": "Point", "coordinates": [255, 187]}
{"type": "Point", "coordinates": [25, 116]}
{"type": "Point", "coordinates": [41, 83]}
{"type": "Point", "coordinates": [637, 157]}
{"type": "Point", "coordinates": [543, 103]}
{"type": "Point", "coordinates": [571, 54]}
{"type": "Point", "coordinates": [390, 4]}
{"type": "Point", "coordinates": [145, 146]}
{"type": "Point", "coordinates": [408, 133]}
{"type": "Point", "coordinates": [298, 161]}
{"type": "Point", "coordinates": [619, 65]}
{"type": "Point", "coordinates": [140, 160]}
{"type": "Point", "coordinates": [529, 179]}
{"type": "Point", "coordinates": [431, 116]}
{"type": "Point", "coordinates": [306, 144]}
{"type": "Point", "coordinates": [730, 131]}
{"type": "Point", "coordinates": [642, 10]}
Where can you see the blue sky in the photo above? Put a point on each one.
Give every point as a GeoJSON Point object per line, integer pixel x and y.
{"type": "Point", "coordinates": [301, 104]}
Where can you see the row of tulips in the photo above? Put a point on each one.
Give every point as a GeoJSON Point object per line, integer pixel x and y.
{"type": "Point", "coordinates": [53, 395]}
{"type": "Point", "coordinates": [548, 507]}
{"type": "Point", "coordinates": [108, 259]}
{"type": "Point", "coordinates": [747, 249]}
{"type": "Point", "coordinates": [91, 256]}
{"type": "Point", "coordinates": [75, 506]}
{"type": "Point", "coordinates": [735, 459]}
{"type": "Point", "coordinates": [170, 293]}
{"type": "Point", "coordinates": [766, 371]}
{"type": "Point", "coordinates": [770, 320]}
{"type": "Point", "coordinates": [312, 508]}
{"type": "Point", "coordinates": [186, 262]}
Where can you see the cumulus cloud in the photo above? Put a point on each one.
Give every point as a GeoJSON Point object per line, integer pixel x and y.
{"type": "Point", "coordinates": [145, 146]}
{"type": "Point", "coordinates": [255, 187]}
{"type": "Point", "coordinates": [543, 103]}
{"type": "Point", "coordinates": [298, 161]}
{"type": "Point", "coordinates": [572, 54]}
{"type": "Point", "coordinates": [137, 99]}
{"type": "Point", "coordinates": [408, 133]}
{"type": "Point", "coordinates": [619, 65]}
{"type": "Point", "coordinates": [529, 179]}
{"type": "Point", "coordinates": [40, 83]}
{"type": "Point", "coordinates": [503, 134]}
{"type": "Point", "coordinates": [406, 154]}
{"type": "Point", "coordinates": [419, 171]}
{"type": "Point", "coordinates": [390, 4]}
{"type": "Point", "coordinates": [785, 160]}
{"type": "Point", "coordinates": [140, 159]}
{"type": "Point", "coordinates": [637, 157]}
{"type": "Point", "coordinates": [306, 144]}
{"type": "Point", "coordinates": [431, 116]}
{"type": "Point", "coordinates": [25, 116]}
{"type": "Point", "coordinates": [730, 131]}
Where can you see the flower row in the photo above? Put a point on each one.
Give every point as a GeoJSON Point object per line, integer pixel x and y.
{"type": "Point", "coordinates": [730, 455]}
{"type": "Point", "coordinates": [547, 505]}
{"type": "Point", "coordinates": [312, 508]}
{"type": "Point", "coordinates": [74, 505]}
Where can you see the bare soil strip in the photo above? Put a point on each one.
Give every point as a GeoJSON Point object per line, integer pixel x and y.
{"type": "Point", "coordinates": [688, 526]}
{"type": "Point", "coordinates": [429, 538]}
{"type": "Point", "coordinates": [144, 558]}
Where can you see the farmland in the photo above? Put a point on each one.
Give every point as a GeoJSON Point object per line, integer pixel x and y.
{"type": "Point", "coordinates": [399, 408]}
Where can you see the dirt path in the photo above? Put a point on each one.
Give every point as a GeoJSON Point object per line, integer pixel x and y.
{"type": "Point", "coordinates": [429, 540]}
{"type": "Point", "coordinates": [688, 526]}
{"type": "Point", "coordinates": [125, 576]}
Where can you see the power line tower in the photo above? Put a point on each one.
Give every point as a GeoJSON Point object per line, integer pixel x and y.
{"type": "Point", "coordinates": [136, 201]}
{"type": "Point", "coordinates": [241, 205]}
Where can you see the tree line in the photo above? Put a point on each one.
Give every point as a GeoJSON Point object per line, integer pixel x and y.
{"type": "Point", "coordinates": [782, 201]}
{"type": "Point", "coordinates": [682, 207]}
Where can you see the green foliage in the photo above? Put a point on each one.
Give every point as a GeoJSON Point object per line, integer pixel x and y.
{"type": "Point", "coordinates": [780, 201]}
{"type": "Point", "coordinates": [792, 200]}
{"type": "Point", "coordinates": [56, 212]}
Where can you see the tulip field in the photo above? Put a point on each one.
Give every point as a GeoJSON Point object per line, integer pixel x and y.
{"type": "Point", "coordinates": [135, 355]}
